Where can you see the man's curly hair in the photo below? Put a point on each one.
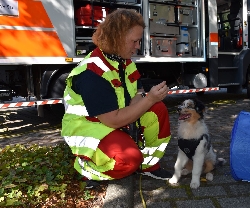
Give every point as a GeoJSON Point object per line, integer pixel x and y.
{"type": "Point", "coordinates": [110, 34]}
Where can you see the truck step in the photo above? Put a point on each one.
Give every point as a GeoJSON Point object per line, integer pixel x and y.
{"type": "Point", "coordinates": [228, 84]}
{"type": "Point", "coordinates": [228, 67]}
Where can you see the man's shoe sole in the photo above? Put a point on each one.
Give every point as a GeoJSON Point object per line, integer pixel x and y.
{"type": "Point", "coordinates": [154, 176]}
{"type": "Point", "coordinates": [91, 184]}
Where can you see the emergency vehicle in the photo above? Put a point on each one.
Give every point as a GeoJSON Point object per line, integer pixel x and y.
{"type": "Point", "coordinates": [195, 45]}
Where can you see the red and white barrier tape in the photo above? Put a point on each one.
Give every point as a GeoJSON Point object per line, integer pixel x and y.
{"type": "Point", "coordinates": [29, 103]}
{"type": "Point", "coordinates": [193, 90]}
{"type": "Point", "coordinates": [44, 102]}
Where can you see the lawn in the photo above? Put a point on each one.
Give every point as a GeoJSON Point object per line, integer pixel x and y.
{"type": "Point", "coordinates": [36, 176]}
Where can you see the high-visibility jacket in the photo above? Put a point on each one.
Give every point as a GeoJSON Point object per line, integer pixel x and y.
{"type": "Point", "coordinates": [84, 133]}
{"type": "Point", "coordinates": [79, 130]}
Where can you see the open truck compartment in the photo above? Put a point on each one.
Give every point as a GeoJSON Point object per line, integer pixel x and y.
{"type": "Point", "coordinates": [173, 27]}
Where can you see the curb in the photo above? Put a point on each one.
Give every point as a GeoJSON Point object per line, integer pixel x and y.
{"type": "Point", "coordinates": [120, 193]}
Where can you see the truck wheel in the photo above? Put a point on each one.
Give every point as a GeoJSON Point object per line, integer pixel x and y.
{"type": "Point", "coordinates": [58, 85]}
{"type": "Point", "coordinates": [56, 90]}
{"type": "Point", "coordinates": [248, 83]}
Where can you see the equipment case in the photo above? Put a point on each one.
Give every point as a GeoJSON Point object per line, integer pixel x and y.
{"type": "Point", "coordinates": [239, 147]}
{"type": "Point", "coordinates": [87, 17]}
{"type": "Point", "coordinates": [163, 46]}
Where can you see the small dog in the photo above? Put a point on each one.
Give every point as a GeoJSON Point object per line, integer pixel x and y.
{"type": "Point", "coordinates": [195, 153]}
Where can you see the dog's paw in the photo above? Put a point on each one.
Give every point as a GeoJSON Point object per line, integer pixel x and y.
{"type": "Point", "coordinates": [173, 180]}
{"type": "Point", "coordinates": [209, 176]}
{"type": "Point", "coordinates": [185, 171]}
{"type": "Point", "coordinates": [194, 184]}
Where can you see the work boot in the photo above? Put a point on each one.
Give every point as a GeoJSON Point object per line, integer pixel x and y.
{"type": "Point", "coordinates": [90, 184]}
{"type": "Point", "coordinates": [160, 174]}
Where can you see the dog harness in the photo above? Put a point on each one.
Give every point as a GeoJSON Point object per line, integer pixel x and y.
{"type": "Point", "coordinates": [188, 146]}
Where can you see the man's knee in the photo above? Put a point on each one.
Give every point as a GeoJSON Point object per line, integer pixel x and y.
{"type": "Point", "coordinates": [126, 163]}
{"type": "Point", "coordinates": [159, 108]}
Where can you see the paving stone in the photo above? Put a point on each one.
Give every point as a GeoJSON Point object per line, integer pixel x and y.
{"type": "Point", "coordinates": [209, 191]}
{"type": "Point", "coordinates": [238, 202]}
{"type": "Point", "coordinates": [148, 184]}
{"type": "Point", "coordinates": [154, 205]}
{"type": "Point", "coordinates": [240, 189]}
{"type": "Point", "coordinates": [140, 197]}
{"type": "Point", "coordinates": [204, 203]}
{"type": "Point", "coordinates": [166, 194]}
{"type": "Point", "coordinates": [159, 205]}
{"type": "Point", "coordinates": [223, 179]}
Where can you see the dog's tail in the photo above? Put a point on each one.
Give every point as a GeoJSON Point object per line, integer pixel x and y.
{"type": "Point", "coordinates": [220, 162]}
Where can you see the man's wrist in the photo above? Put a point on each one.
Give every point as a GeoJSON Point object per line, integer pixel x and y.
{"type": "Point", "coordinates": [143, 94]}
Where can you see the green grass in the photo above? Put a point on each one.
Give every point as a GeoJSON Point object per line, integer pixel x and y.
{"type": "Point", "coordinates": [33, 175]}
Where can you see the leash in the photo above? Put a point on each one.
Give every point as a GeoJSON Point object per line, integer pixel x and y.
{"type": "Point", "coordinates": [140, 136]}
{"type": "Point", "coordinates": [140, 189]}
{"type": "Point", "coordinates": [136, 133]}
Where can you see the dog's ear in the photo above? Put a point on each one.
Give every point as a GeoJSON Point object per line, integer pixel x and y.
{"type": "Point", "coordinates": [199, 106]}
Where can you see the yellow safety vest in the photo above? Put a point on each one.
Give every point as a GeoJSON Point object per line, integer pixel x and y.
{"type": "Point", "coordinates": [81, 132]}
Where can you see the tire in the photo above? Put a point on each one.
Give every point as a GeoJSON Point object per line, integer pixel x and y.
{"type": "Point", "coordinates": [56, 90]}
{"type": "Point", "coordinates": [57, 85]}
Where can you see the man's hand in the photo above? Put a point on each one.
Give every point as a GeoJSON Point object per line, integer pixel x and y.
{"type": "Point", "coordinates": [138, 106]}
{"type": "Point", "coordinates": [158, 92]}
